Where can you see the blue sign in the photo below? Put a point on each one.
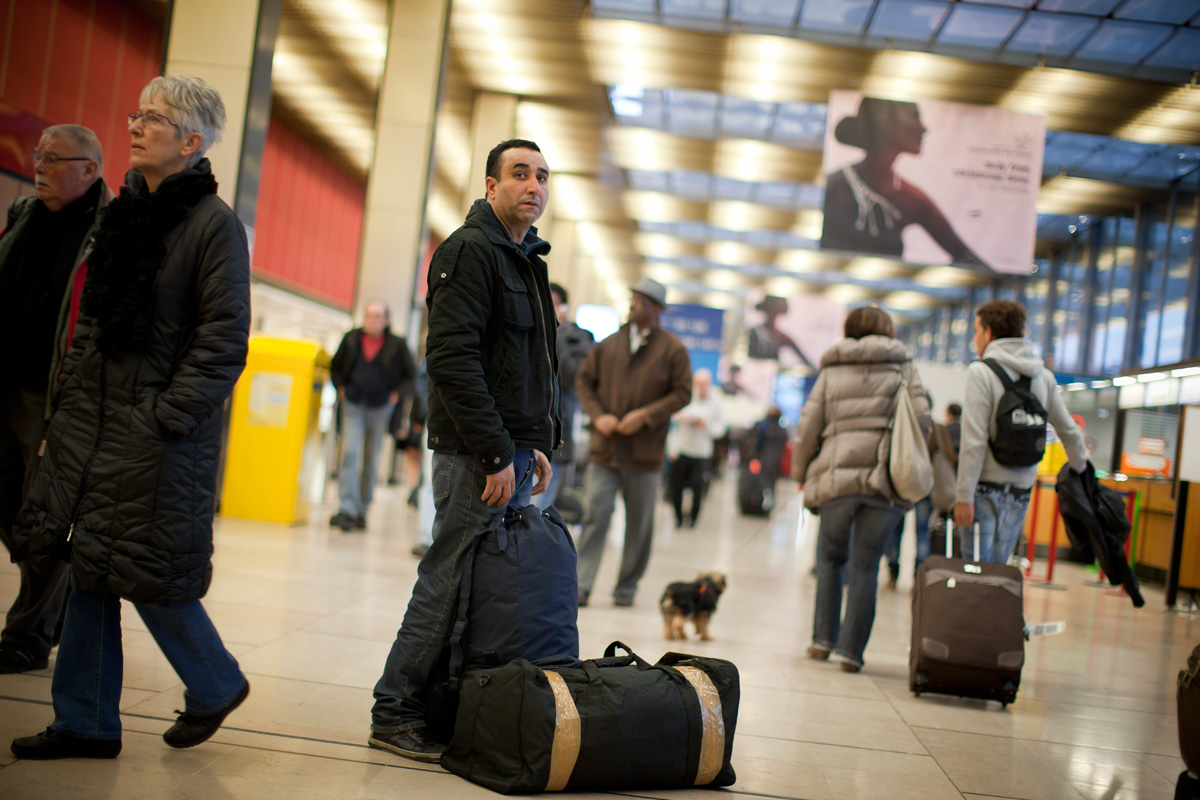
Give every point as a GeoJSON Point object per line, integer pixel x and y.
{"type": "Point", "coordinates": [699, 328]}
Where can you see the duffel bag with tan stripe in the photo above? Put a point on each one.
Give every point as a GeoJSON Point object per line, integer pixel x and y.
{"type": "Point", "coordinates": [616, 722]}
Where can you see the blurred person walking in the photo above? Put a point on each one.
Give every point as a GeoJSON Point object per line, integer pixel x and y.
{"type": "Point", "coordinates": [127, 487]}
{"type": "Point", "coordinates": [372, 371]}
{"type": "Point", "coordinates": [630, 385]}
{"type": "Point", "coordinates": [840, 462]}
{"type": "Point", "coordinates": [697, 425]}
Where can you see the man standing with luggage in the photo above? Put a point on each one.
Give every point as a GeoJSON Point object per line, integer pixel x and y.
{"type": "Point", "coordinates": [630, 385]}
{"type": "Point", "coordinates": [371, 370]}
{"type": "Point", "coordinates": [997, 462]}
{"type": "Point", "coordinates": [493, 416]}
{"type": "Point", "coordinates": [42, 249]}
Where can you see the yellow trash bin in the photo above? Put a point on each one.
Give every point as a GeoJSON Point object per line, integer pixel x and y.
{"type": "Point", "coordinates": [274, 440]}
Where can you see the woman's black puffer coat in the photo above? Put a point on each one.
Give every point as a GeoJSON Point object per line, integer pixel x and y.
{"type": "Point", "coordinates": [126, 488]}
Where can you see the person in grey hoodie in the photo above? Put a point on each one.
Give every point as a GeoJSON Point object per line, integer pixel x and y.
{"type": "Point", "coordinates": [841, 462]}
{"type": "Point", "coordinates": [988, 492]}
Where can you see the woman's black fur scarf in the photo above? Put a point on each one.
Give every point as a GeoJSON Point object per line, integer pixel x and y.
{"type": "Point", "coordinates": [129, 251]}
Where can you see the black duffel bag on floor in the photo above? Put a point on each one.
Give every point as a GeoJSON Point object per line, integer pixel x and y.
{"type": "Point", "coordinates": [611, 723]}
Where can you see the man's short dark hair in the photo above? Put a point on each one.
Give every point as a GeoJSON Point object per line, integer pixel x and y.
{"type": "Point", "coordinates": [493, 159]}
{"type": "Point", "coordinates": [954, 410]}
{"type": "Point", "coordinates": [560, 291]}
{"type": "Point", "coordinates": [1005, 318]}
{"type": "Point", "coordinates": [868, 321]}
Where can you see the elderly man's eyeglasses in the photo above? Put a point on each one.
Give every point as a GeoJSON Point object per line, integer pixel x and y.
{"type": "Point", "coordinates": [50, 160]}
{"type": "Point", "coordinates": [150, 118]}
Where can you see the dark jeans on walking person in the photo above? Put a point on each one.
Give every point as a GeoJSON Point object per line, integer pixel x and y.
{"type": "Point", "coordinates": [922, 511]}
{"type": "Point", "coordinates": [850, 542]}
{"type": "Point", "coordinates": [458, 483]}
{"type": "Point", "coordinates": [687, 473]}
{"type": "Point", "coordinates": [36, 615]}
{"type": "Point", "coordinates": [640, 492]}
{"type": "Point", "coordinates": [87, 678]}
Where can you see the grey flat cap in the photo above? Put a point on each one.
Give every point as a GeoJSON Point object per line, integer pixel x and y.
{"type": "Point", "coordinates": [652, 289]}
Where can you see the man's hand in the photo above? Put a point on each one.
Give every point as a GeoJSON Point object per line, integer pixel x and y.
{"type": "Point", "coordinates": [541, 471]}
{"type": "Point", "coordinates": [341, 394]}
{"type": "Point", "coordinates": [605, 424]}
{"type": "Point", "coordinates": [633, 422]}
{"type": "Point", "coordinates": [393, 398]}
{"type": "Point", "coordinates": [500, 487]}
{"type": "Point", "coordinates": [964, 515]}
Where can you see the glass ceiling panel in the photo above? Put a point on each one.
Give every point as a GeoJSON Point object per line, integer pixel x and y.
{"type": "Point", "coordinates": [746, 119]}
{"type": "Point", "coordinates": [1098, 8]}
{"type": "Point", "coordinates": [764, 12]}
{"type": "Point", "coordinates": [1013, 3]}
{"type": "Point", "coordinates": [835, 16]}
{"type": "Point", "coordinates": [1051, 34]}
{"type": "Point", "coordinates": [1175, 12]}
{"type": "Point", "coordinates": [1123, 42]}
{"type": "Point", "coordinates": [979, 27]}
{"type": "Point", "coordinates": [1181, 52]}
{"type": "Point", "coordinates": [912, 20]}
{"type": "Point", "coordinates": [700, 9]}
{"type": "Point", "coordinates": [637, 6]}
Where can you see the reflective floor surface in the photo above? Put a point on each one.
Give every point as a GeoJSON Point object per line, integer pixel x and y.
{"type": "Point", "coordinates": [310, 613]}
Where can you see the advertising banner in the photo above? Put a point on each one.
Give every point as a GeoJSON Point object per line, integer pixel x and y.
{"type": "Point", "coordinates": [699, 328]}
{"type": "Point", "coordinates": [931, 182]}
{"type": "Point", "coordinates": [792, 331]}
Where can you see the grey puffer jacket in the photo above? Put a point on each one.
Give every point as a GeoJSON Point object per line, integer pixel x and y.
{"type": "Point", "coordinates": [840, 452]}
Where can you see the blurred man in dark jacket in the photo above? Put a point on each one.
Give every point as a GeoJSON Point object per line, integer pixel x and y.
{"type": "Point", "coordinates": [493, 416]}
{"type": "Point", "coordinates": [372, 370]}
{"type": "Point", "coordinates": [42, 251]}
{"type": "Point", "coordinates": [573, 344]}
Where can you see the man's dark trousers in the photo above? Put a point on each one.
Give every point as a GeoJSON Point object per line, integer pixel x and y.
{"type": "Point", "coordinates": [36, 615]}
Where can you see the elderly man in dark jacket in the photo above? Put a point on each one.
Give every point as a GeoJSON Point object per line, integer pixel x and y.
{"type": "Point", "coordinates": [372, 370]}
{"type": "Point", "coordinates": [41, 252]}
{"type": "Point", "coordinates": [630, 385]}
{"type": "Point", "coordinates": [493, 415]}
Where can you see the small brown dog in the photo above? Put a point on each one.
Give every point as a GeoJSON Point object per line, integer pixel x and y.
{"type": "Point", "coordinates": [695, 601]}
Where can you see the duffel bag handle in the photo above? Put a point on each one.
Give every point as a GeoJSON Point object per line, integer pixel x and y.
{"type": "Point", "coordinates": [611, 652]}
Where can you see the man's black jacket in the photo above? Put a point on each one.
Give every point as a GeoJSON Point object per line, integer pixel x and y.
{"type": "Point", "coordinates": [493, 366]}
{"type": "Point", "coordinates": [397, 361]}
{"type": "Point", "coordinates": [1094, 516]}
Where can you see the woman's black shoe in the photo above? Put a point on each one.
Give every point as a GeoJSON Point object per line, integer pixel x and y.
{"type": "Point", "coordinates": [193, 729]}
{"type": "Point", "coordinates": [50, 744]}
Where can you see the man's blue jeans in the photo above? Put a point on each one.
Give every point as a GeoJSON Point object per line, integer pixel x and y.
{"type": "Point", "coordinates": [1001, 518]}
{"type": "Point", "coordinates": [87, 673]}
{"type": "Point", "coordinates": [850, 542]}
{"type": "Point", "coordinates": [547, 498]}
{"type": "Point", "coordinates": [458, 484]}
{"type": "Point", "coordinates": [363, 430]}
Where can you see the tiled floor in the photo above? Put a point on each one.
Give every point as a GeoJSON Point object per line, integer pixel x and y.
{"type": "Point", "coordinates": [311, 613]}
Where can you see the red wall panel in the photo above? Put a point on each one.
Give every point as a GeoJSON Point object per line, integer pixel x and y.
{"type": "Point", "coordinates": [309, 222]}
{"type": "Point", "coordinates": [80, 61]}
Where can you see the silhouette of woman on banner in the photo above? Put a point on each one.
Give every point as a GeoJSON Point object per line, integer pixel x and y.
{"type": "Point", "coordinates": [867, 205]}
{"type": "Point", "coordinates": [768, 340]}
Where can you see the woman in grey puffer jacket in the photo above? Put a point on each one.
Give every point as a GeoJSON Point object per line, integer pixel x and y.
{"type": "Point", "coordinates": [840, 461]}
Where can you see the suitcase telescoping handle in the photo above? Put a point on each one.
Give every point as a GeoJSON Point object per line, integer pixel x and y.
{"type": "Point", "coordinates": [950, 542]}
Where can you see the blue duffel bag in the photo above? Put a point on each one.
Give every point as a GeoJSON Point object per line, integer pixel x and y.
{"type": "Point", "coordinates": [518, 599]}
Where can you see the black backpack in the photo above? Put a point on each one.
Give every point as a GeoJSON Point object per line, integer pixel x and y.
{"type": "Point", "coordinates": [1020, 422]}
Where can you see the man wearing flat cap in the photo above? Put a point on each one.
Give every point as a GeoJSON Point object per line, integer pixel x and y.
{"type": "Point", "coordinates": [630, 385]}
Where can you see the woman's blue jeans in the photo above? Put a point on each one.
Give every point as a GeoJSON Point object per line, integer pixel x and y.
{"type": "Point", "coordinates": [850, 543]}
{"type": "Point", "coordinates": [88, 670]}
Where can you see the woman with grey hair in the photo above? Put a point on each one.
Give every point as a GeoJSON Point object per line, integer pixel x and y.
{"type": "Point", "coordinates": [126, 491]}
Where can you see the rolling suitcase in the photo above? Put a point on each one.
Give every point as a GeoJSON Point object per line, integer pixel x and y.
{"type": "Point", "coordinates": [968, 629]}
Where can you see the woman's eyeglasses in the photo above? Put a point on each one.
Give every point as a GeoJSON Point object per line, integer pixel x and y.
{"type": "Point", "coordinates": [150, 118]}
{"type": "Point", "coordinates": [50, 160]}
